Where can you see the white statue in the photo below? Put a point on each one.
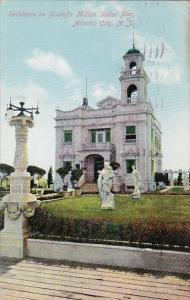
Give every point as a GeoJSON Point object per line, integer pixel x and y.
{"type": "Point", "coordinates": [105, 186]}
{"type": "Point", "coordinates": [137, 183]}
{"type": "Point", "coordinates": [67, 181]}
{"type": "Point", "coordinates": [186, 181]}
{"type": "Point", "coordinates": [171, 177]}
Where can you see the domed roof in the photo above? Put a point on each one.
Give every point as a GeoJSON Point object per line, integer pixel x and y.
{"type": "Point", "coordinates": [133, 51]}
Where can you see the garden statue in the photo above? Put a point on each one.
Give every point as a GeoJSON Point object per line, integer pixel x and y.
{"type": "Point", "coordinates": [137, 183]}
{"type": "Point", "coordinates": [171, 177]}
{"type": "Point", "coordinates": [186, 181]}
{"type": "Point", "coordinates": [105, 186]}
{"type": "Point", "coordinates": [67, 181]}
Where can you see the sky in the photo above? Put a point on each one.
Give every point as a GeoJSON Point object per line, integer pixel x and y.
{"type": "Point", "coordinates": [49, 47]}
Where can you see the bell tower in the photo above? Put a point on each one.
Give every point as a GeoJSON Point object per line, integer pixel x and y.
{"type": "Point", "coordinates": [133, 78]}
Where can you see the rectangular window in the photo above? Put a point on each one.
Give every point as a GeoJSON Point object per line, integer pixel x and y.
{"type": "Point", "coordinates": [130, 133]}
{"type": "Point", "coordinates": [67, 164]}
{"type": "Point", "coordinates": [68, 136]}
{"type": "Point", "coordinates": [129, 164]}
{"type": "Point", "coordinates": [100, 135]}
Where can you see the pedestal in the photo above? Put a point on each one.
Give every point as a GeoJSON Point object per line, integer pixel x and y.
{"type": "Point", "coordinates": [13, 237]}
{"type": "Point", "coordinates": [17, 206]}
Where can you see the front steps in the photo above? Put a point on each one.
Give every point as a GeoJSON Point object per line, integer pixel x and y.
{"type": "Point", "coordinates": [90, 188]}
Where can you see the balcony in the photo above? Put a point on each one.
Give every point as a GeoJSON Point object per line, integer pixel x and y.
{"type": "Point", "coordinates": [130, 72]}
{"type": "Point", "coordinates": [98, 147]}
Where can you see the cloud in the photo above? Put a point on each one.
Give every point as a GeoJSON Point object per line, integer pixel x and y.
{"type": "Point", "coordinates": [113, 6]}
{"type": "Point", "coordinates": [100, 90]}
{"type": "Point", "coordinates": [167, 75]}
{"type": "Point", "coordinates": [161, 62]}
{"type": "Point", "coordinates": [30, 93]}
{"type": "Point", "coordinates": [49, 61]}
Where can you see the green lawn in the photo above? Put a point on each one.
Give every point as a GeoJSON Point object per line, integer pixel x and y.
{"type": "Point", "coordinates": [171, 208]}
{"type": "Point", "coordinates": [177, 189]}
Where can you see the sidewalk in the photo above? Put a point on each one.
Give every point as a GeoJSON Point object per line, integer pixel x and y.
{"type": "Point", "coordinates": [35, 279]}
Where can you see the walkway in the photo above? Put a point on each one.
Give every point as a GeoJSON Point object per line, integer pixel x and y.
{"type": "Point", "coordinates": [33, 279]}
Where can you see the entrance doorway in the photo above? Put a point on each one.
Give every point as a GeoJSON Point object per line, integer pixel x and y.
{"type": "Point", "coordinates": [93, 164]}
{"type": "Point", "coordinates": [98, 166]}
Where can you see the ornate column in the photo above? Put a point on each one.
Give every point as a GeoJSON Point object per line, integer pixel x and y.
{"type": "Point", "coordinates": [19, 204]}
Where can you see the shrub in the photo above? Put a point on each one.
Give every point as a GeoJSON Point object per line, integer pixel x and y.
{"type": "Point", "coordinates": [63, 171]}
{"type": "Point", "coordinates": [158, 177]}
{"type": "Point", "coordinates": [139, 231]}
{"type": "Point", "coordinates": [47, 192]}
{"type": "Point", "coordinates": [50, 196]}
{"type": "Point", "coordinates": [76, 174]}
{"type": "Point", "coordinates": [1, 220]}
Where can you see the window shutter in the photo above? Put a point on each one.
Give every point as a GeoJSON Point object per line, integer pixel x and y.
{"type": "Point", "coordinates": [93, 136]}
{"type": "Point", "coordinates": [108, 135]}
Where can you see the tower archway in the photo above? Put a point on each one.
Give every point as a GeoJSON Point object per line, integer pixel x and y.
{"type": "Point", "coordinates": [132, 93]}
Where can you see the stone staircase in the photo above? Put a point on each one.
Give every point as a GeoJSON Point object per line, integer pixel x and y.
{"type": "Point", "coordinates": [90, 188]}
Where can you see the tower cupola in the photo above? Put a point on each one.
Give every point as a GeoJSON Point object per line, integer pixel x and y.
{"type": "Point", "coordinates": [133, 78]}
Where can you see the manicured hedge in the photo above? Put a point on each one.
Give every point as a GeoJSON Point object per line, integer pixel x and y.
{"type": "Point", "coordinates": [1, 220]}
{"type": "Point", "coordinates": [49, 197]}
{"type": "Point", "coordinates": [152, 231]}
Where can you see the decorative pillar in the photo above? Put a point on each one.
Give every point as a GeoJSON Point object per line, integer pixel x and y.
{"type": "Point", "coordinates": [19, 204]}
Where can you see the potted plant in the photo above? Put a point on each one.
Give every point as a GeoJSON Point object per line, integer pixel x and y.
{"type": "Point", "coordinates": [76, 175]}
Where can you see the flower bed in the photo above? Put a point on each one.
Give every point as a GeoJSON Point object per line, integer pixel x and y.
{"type": "Point", "coordinates": [139, 231]}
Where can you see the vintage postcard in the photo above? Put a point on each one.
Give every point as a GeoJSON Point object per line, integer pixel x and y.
{"type": "Point", "coordinates": [94, 149]}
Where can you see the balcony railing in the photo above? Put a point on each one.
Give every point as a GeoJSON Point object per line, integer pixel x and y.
{"type": "Point", "coordinates": [98, 147]}
{"type": "Point", "coordinates": [131, 72]}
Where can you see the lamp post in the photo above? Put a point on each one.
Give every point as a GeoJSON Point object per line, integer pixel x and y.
{"type": "Point", "coordinates": [19, 204]}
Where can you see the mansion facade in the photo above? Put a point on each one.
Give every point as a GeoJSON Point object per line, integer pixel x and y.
{"type": "Point", "coordinates": [121, 130]}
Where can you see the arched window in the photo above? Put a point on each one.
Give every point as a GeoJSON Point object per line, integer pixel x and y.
{"type": "Point", "coordinates": [132, 94]}
{"type": "Point", "coordinates": [133, 67]}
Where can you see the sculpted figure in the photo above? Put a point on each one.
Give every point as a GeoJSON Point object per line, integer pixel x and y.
{"type": "Point", "coordinates": [171, 177]}
{"type": "Point", "coordinates": [67, 181]}
{"type": "Point", "coordinates": [186, 181]}
{"type": "Point", "coordinates": [137, 183]}
{"type": "Point", "coordinates": [105, 186]}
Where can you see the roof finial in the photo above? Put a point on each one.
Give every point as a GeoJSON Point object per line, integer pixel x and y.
{"type": "Point", "coordinates": [133, 35]}
{"type": "Point", "coordinates": [86, 87]}
{"type": "Point", "coordinates": [85, 99]}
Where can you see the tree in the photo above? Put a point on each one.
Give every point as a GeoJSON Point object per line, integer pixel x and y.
{"type": "Point", "coordinates": [158, 177]}
{"type": "Point", "coordinates": [76, 174]}
{"type": "Point", "coordinates": [35, 171]}
{"type": "Point", "coordinates": [179, 179]}
{"type": "Point", "coordinates": [165, 179]}
{"type": "Point", "coordinates": [115, 165]}
{"type": "Point", "coordinates": [63, 171]}
{"type": "Point", "coordinates": [50, 177]}
{"type": "Point", "coordinates": [5, 170]}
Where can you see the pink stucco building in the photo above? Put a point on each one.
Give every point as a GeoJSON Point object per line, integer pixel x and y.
{"type": "Point", "coordinates": [123, 130]}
